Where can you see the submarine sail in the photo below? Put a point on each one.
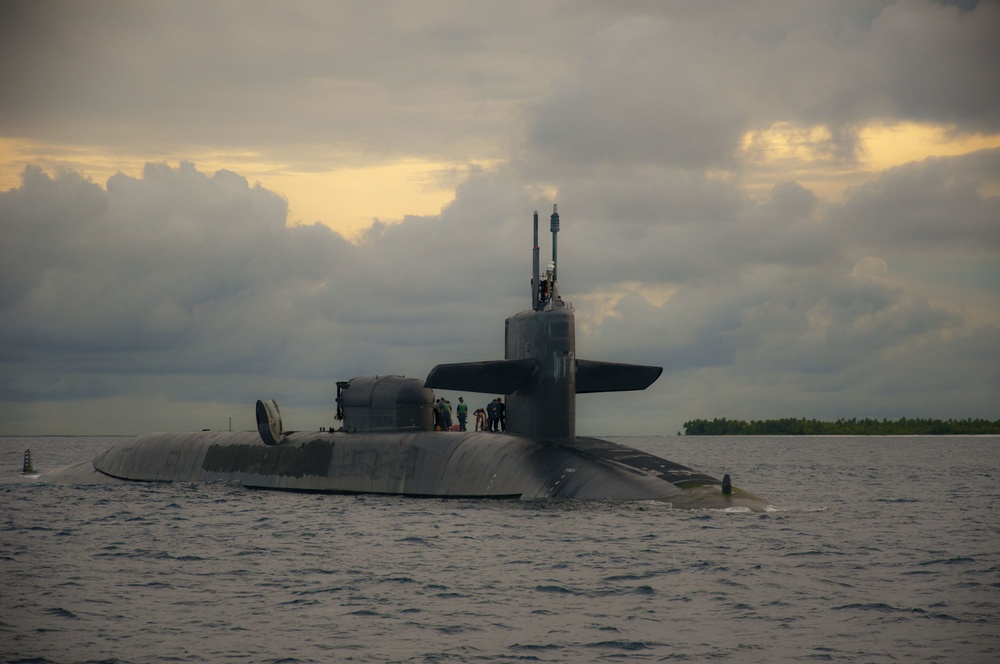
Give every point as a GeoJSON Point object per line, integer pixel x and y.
{"type": "Point", "coordinates": [543, 374]}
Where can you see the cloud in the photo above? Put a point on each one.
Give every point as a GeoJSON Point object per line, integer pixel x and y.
{"type": "Point", "coordinates": [174, 263]}
{"type": "Point", "coordinates": [682, 245]}
{"type": "Point", "coordinates": [656, 83]}
{"type": "Point", "coordinates": [186, 276]}
{"type": "Point", "coordinates": [181, 284]}
{"type": "Point", "coordinates": [938, 201]}
{"type": "Point", "coordinates": [346, 81]}
{"type": "Point", "coordinates": [936, 63]}
{"type": "Point", "coordinates": [680, 88]}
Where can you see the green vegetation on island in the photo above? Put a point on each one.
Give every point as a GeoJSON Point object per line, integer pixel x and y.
{"type": "Point", "coordinates": [791, 426]}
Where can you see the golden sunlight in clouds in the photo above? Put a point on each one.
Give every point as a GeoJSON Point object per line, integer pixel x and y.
{"type": "Point", "coordinates": [887, 146]}
{"type": "Point", "coordinates": [15, 154]}
{"type": "Point", "coordinates": [785, 151]}
{"type": "Point", "coordinates": [349, 199]}
{"type": "Point", "coordinates": [346, 199]}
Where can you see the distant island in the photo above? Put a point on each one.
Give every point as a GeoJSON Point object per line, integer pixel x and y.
{"type": "Point", "coordinates": [791, 426]}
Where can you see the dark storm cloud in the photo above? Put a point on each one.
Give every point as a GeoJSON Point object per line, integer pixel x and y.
{"type": "Point", "coordinates": [339, 76]}
{"type": "Point", "coordinates": [166, 273]}
{"type": "Point", "coordinates": [939, 63]}
{"type": "Point", "coordinates": [939, 201]}
{"type": "Point", "coordinates": [805, 342]}
{"type": "Point", "coordinates": [680, 88]}
{"type": "Point", "coordinates": [689, 229]}
{"type": "Point", "coordinates": [664, 83]}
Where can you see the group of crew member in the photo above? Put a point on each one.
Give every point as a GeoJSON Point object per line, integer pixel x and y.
{"type": "Point", "coordinates": [442, 414]}
{"type": "Point", "coordinates": [491, 418]}
{"type": "Point", "coordinates": [496, 415]}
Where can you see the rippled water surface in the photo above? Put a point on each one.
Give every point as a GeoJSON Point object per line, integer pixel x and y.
{"type": "Point", "coordinates": [882, 550]}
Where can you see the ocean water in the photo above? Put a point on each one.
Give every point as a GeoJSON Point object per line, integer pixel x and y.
{"type": "Point", "coordinates": [880, 550]}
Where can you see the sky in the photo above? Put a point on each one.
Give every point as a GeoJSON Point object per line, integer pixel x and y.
{"type": "Point", "coordinates": [792, 207]}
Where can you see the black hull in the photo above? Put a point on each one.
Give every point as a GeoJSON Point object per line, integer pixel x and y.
{"type": "Point", "coordinates": [419, 464]}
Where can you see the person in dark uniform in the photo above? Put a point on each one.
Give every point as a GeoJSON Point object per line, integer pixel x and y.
{"type": "Point", "coordinates": [491, 415]}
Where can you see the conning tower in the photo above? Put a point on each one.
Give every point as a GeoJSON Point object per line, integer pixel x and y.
{"type": "Point", "coordinates": [540, 374]}
{"type": "Point", "coordinates": [545, 335]}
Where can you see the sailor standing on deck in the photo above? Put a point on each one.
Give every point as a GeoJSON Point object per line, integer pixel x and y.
{"type": "Point", "coordinates": [445, 415]}
{"type": "Point", "coordinates": [463, 413]}
{"type": "Point", "coordinates": [491, 415]}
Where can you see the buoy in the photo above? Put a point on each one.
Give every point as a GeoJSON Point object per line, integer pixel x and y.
{"type": "Point", "coordinates": [727, 485]}
{"type": "Point", "coordinates": [26, 467]}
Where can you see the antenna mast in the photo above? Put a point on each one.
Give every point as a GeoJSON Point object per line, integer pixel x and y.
{"type": "Point", "coordinates": [536, 303]}
{"type": "Point", "coordinates": [554, 227]}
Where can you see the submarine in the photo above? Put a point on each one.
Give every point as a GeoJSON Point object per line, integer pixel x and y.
{"type": "Point", "coordinates": [388, 442]}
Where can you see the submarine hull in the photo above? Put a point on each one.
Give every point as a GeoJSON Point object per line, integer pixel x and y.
{"type": "Point", "coordinates": [420, 464]}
